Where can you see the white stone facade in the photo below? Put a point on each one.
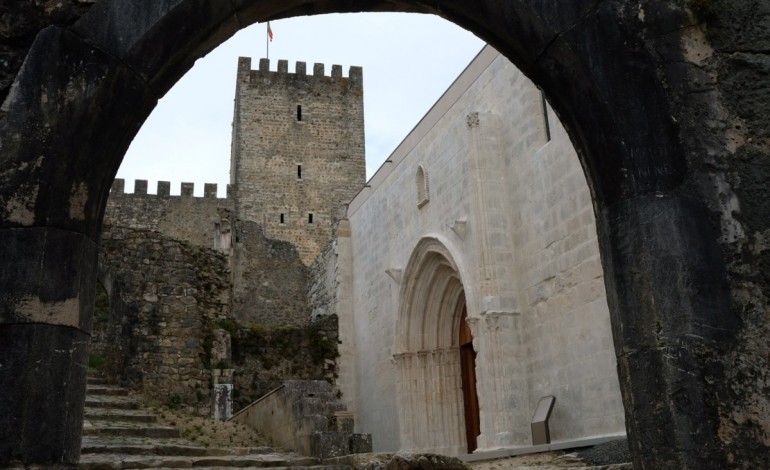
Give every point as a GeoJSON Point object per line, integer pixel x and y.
{"type": "Point", "coordinates": [483, 206]}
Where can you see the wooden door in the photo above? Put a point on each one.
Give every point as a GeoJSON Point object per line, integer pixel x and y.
{"type": "Point", "coordinates": [468, 370]}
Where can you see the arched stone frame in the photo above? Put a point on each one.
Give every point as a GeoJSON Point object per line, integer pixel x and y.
{"type": "Point", "coordinates": [615, 73]}
{"type": "Point", "coordinates": [427, 352]}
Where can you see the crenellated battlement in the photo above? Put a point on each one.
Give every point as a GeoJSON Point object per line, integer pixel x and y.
{"type": "Point", "coordinates": [164, 189]}
{"type": "Point", "coordinates": [355, 73]}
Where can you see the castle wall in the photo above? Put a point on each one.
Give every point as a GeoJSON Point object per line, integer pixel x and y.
{"type": "Point", "coordinates": [297, 159]}
{"type": "Point", "coordinates": [197, 220]}
{"type": "Point", "coordinates": [169, 264]}
{"type": "Point", "coordinates": [297, 151]}
{"type": "Point", "coordinates": [514, 213]}
{"type": "Point", "coordinates": [164, 293]}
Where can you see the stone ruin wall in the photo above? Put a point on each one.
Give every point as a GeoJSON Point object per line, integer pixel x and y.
{"type": "Point", "coordinates": [324, 282]}
{"type": "Point", "coordinates": [265, 356]}
{"type": "Point", "coordinates": [270, 279]}
{"type": "Point", "coordinates": [166, 283]}
{"type": "Point", "coordinates": [169, 290]}
{"type": "Point", "coordinates": [164, 293]}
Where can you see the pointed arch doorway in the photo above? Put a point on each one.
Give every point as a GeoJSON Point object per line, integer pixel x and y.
{"type": "Point", "coordinates": [435, 361]}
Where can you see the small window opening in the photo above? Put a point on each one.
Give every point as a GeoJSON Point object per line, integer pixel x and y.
{"type": "Point", "coordinates": [282, 218]}
{"type": "Point", "coordinates": [299, 112]}
{"type": "Point", "coordinates": [299, 172]}
{"type": "Point", "coordinates": [423, 188]}
{"type": "Point", "coordinates": [546, 124]}
{"type": "Point", "coordinates": [310, 218]}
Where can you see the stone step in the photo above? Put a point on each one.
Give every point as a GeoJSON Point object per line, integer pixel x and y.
{"type": "Point", "coordinates": [124, 462]}
{"type": "Point", "coordinates": [103, 389]}
{"type": "Point", "coordinates": [92, 380]}
{"type": "Point", "coordinates": [117, 414]}
{"type": "Point", "coordinates": [301, 467]}
{"type": "Point", "coordinates": [123, 428]}
{"type": "Point", "coordinates": [97, 442]}
{"type": "Point", "coordinates": [175, 447]}
{"type": "Point", "coordinates": [111, 401]}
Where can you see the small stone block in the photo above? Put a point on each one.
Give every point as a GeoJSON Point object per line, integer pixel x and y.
{"type": "Point", "coordinates": [326, 445]}
{"type": "Point", "coordinates": [360, 443]}
{"type": "Point", "coordinates": [140, 186]}
{"type": "Point", "coordinates": [318, 70]}
{"type": "Point", "coordinates": [336, 71]}
{"type": "Point", "coordinates": [210, 190]}
{"type": "Point", "coordinates": [283, 66]}
{"type": "Point", "coordinates": [119, 186]}
{"type": "Point", "coordinates": [230, 191]}
{"type": "Point", "coordinates": [344, 422]}
{"type": "Point", "coordinates": [356, 75]}
{"type": "Point", "coordinates": [264, 65]}
{"type": "Point", "coordinates": [244, 63]}
{"type": "Point", "coordinates": [301, 68]}
{"type": "Point", "coordinates": [164, 188]}
{"type": "Point", "coordinates": [188, 189]}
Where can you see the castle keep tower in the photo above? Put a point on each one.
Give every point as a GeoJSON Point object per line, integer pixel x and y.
{"type": "Point", "coordinates": [297, 152]}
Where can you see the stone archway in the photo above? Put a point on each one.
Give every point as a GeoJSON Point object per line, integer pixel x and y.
{"type": "Point", "coordinates": [427, 353]}
{"type": "Point", "coordinates": [656, 105]}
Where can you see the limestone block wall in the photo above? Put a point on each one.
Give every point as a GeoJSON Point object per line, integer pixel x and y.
{"type": "Point", "coordinates": [565, 333]}
{"type": "Point", "coordinates": [297, 150]}
{"type": "Point", "coordinates": [503, 193]}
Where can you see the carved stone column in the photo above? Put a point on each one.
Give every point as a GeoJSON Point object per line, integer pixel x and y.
{"type": "Point", "coordinates": [430, 401]}
{"type": "Point", "coordinates": [503, 400]}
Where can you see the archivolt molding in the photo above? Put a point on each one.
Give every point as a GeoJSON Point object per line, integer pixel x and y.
{"type": "Point", "coordinates": [431, 289]}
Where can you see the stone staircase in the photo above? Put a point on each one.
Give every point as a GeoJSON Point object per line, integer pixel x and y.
{"type": "Point", "coordinates": [119, 434]}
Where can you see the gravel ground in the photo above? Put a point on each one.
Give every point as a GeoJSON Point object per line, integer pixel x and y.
{"type": "Point", "coordinates": [613, 455]}
{"type": "Point", "coordinates": [606, 454]}
{"type": "Point", "coordinates": [210, 433]}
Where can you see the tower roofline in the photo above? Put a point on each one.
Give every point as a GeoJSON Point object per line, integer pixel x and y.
{"type": "Point", "coordinates": [355, 73]}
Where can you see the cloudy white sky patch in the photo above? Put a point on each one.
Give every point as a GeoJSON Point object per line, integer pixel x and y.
{"type": "Point", "coordinates": [408, 59]}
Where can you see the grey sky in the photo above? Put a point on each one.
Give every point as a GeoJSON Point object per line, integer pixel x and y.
{"type": "Point", "coordinates": [409, 60]}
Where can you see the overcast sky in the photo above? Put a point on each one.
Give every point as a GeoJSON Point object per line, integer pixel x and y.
{"type": "Point", "coordinates": [409, 60]}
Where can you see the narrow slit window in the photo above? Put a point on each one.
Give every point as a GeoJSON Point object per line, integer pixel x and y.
{"type": "Point", "coordinates": [299, 112]}
{"type": "Point", "coordinates": [282, 218]}
{"type": "Point", "coordinates": [310, 218]}
{"type": "Point", "coordinates": [299, 172]}
{"type": "Point", "coordinates": [423, 188]}
{"type": "Point", "coordinates": [546, 124]}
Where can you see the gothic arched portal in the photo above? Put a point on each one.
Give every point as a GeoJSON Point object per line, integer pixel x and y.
{"type": "Point", "coordinates": [627, 79]}
{"type": "Point", "coordinates": [431, 395]}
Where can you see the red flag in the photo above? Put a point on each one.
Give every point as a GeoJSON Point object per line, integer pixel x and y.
{"type": "Point", "coordinates": [269, 32]}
